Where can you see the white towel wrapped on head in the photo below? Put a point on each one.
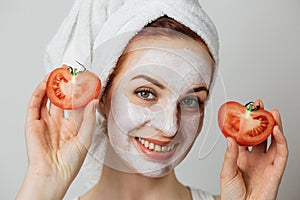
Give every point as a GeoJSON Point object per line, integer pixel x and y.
{"type": "Point", "coordinates": [92, 22]}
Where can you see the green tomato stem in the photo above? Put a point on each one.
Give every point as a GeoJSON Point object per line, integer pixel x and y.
{"type": "Point", "coordinates": [75, 71]}
{"type": "Point", "coordinates": [250, 106]}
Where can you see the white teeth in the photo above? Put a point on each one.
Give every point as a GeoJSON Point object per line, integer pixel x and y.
{"type": "Point", "coordinates": [146, 144]}
{"type": "Point", "coordinates": [156, 147]}
{"type": "Point", "coordinates": [151, 146]}
{"type": "Point", "coordinates": [169, 148]}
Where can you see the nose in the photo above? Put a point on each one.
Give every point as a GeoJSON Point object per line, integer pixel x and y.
{"type": "Point", "coordinates": [169, 126]}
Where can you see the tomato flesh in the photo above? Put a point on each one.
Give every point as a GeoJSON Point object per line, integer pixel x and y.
{"type": "Point", "coordinates": [248, 128]}
{"type": "Point", "coordinates": [72, 91]}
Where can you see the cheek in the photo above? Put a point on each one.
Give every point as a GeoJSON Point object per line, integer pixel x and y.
{"type": "Point", "coordinates": [191, 125]}
{"type": "Point", "coordinates": [124, 117]}
{"type": "Point", "coordinates": [200, 124]}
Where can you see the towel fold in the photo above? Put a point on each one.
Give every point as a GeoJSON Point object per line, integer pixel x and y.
{"type": "Point", "coordinates": [90, 23]}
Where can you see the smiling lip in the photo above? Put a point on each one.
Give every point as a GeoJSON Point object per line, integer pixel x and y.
{"type": "Point", "coordinates": [155, 149]}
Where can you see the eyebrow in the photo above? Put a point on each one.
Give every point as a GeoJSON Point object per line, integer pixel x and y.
{"type": "Point", "coordinates": [151, 80]}
{"type": "Point", "coordinates": [198, 89]}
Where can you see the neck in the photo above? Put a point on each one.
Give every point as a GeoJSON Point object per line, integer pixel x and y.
{"type": "Point", "coordinates": [115, 184]}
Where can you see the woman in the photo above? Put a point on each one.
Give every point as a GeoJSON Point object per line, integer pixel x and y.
{"type": "Point", "coordinates": [153, 104]}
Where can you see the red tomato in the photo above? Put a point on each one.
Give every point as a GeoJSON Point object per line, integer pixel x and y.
{"type": "Point", "coordinates": [249, 126]}
{"type": "Point", "coordinates": [70, 89]}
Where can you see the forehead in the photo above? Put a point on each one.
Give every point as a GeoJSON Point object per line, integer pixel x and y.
{"type": "Point", "coordinates": [157, 50]}
{"type": "Point", "coordinates": [197, 47]}
{"type": "Point", "coordinates": [174, 67]}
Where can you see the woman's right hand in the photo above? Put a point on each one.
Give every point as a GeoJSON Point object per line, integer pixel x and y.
{"type": "Point", "coordinates": [56, 146]}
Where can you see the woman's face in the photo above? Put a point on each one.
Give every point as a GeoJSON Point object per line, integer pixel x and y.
{"type": "Point", "coordinates": [155, 105]}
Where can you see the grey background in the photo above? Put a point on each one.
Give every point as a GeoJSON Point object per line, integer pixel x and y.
{"type": "Point", "coordinates": [259, 59]}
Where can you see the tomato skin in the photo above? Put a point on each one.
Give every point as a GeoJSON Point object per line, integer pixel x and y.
{"type": "Point", "coordinates": [72, 91]}
{"type": "Point", "coordinates": [248, 128]}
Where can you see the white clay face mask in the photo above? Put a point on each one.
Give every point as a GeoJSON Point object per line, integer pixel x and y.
{"type": "Point", "coordinates": [157, 110]}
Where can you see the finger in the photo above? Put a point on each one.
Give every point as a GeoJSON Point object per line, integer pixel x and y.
{"type": "Point", "coordinates": [272, 147]}
{"type": "Point", "coordinates": [56, 112]}
{"type": "Point", "coordinates": [44, 109]}
{"type": "Point", "coordinates": [277, 118]}
{"type": "Point", "coordinates": [281, 149]}
{"type": "Point", "coordinates": [260, 148]}
{"type": "Point", "coordinates": [36, 102]}
{"type": "Point", "coordinates": [76, 117]}
{"type": "Point", "coordinates": [259, 103]}
{"type": "Point", "coordinates": [87, 127]}
{"type": "Point", "coordinates": [243, 148]}
{"type": "Point", "coordinates": [229, 168]}
{"type": "Point", "coordinates": [276, 115]}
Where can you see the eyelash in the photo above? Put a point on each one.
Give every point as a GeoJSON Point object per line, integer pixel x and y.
{"type": "Point", "coordinates": [150, 91]}
{"type": "Point", "coordinates": [139, 92]}
{"type": "Point", "coordinates": [193, 98]}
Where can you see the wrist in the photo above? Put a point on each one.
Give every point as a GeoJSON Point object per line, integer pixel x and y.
{"type": "Point", "coordinates": [42, 186]}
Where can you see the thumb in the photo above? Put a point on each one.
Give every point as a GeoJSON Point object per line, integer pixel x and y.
{"type": "Point", "coordinates": [85, 134]}
{"type": "Point", "coordinates": [230, 168]}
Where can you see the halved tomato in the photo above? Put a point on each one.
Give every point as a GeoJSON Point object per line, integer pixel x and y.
{"type": "Point", "coordinates": [69, 88]}
{"type": "Point", "coordinates": [248, 125]}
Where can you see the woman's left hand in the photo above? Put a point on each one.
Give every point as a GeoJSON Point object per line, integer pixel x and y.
{"type": "Point", "coordinates": [255, 174]}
